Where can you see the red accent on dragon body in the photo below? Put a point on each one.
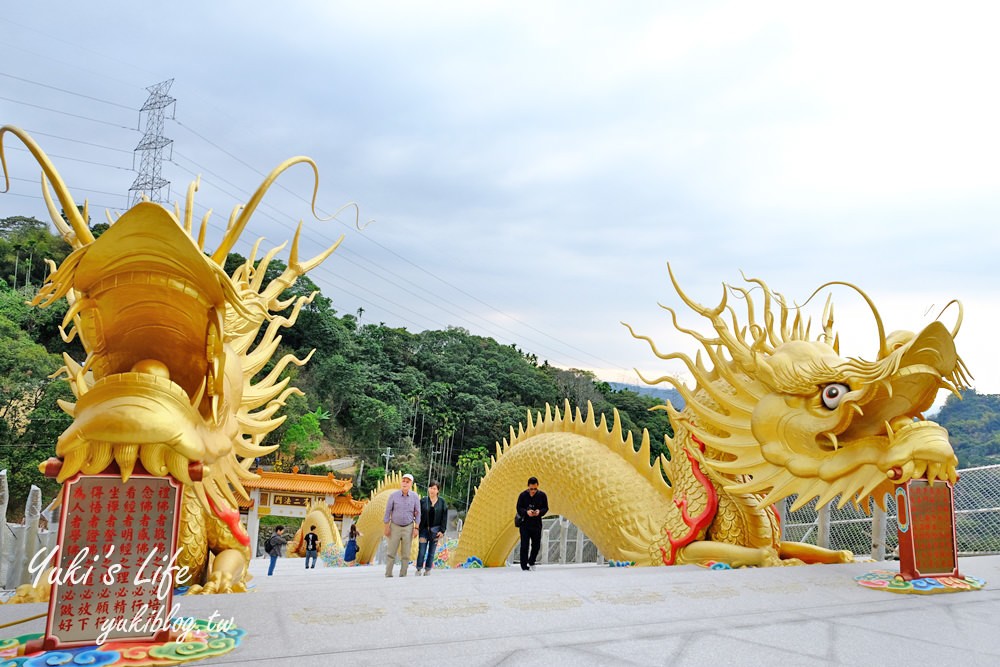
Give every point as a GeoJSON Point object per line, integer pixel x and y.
{"type": "Point", "coordinates": [231, 517]}
{"type": "Point", "coordinates": [698, 523]}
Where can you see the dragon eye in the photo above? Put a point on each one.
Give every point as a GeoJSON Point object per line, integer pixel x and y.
{"type": "Point", "coordinates": [833, 394]}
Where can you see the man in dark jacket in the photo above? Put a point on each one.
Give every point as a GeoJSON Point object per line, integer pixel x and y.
{"type": "Point", "coordinates": [532, 505]}
{"type": "Point", "coordinates": [274, 546]}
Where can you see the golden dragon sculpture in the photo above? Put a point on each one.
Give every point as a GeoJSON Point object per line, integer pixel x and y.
{"type": "Point", "coordinates": [173, 346]}
{"type": "Point", "coordinates": [774, 413]}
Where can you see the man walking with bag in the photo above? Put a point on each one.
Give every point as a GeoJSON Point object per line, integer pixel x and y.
{"type": "Point", "coordinates": [274, 546]}
{"type": "Point", "coordinates": [402, 518]}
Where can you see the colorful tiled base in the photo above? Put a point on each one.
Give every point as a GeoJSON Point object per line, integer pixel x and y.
{"type": "Point", "coordinates": [893, 582]}
{"type": "Point", "coordinates": [333, 556]}
{"type": "Point", "coordinates": [716, 565]}
{"type": "Point", "coordinates": [199, 644]}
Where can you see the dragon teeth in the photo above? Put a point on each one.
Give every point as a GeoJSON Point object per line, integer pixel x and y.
{"type": "Point", "coordinates": [126, 454]}
{"type": "Point", "coordinates": [72, 462]}
{"type": "Point", "coordinates": [153, 457]}
{"type": "Point", "coordinates": [99, 458]}
{"type": "Point", "coordinates": [177, 464]}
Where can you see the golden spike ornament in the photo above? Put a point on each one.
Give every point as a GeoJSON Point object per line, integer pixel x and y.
{"type": "Point", "coordinates": [172, 350]}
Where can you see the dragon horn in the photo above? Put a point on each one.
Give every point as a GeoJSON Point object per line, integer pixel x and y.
{"type": "Point", "coordinates": [961, 312]}
{"type": "Point", "coordinates": [738, 348]}
{"type": "Point", "coordinates": [79, 225]}
{"type": "Point", "coordinates": [883, 348]}
{"type": "Point", "coordinates": [236, 229]}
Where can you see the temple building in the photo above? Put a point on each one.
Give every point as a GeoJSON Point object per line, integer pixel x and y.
{"type": "Point", "coordinates": [290, 493]}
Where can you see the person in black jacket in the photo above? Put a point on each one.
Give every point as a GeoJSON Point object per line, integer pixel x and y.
{"type": "Point", "coordinates": [532, 505]}
{"type": "Point", "coordinates": [274, 546]}
{"type": "Point", "coordinates": [433, 522]}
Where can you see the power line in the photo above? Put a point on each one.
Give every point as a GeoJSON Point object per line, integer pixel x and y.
{"type": "Point", "coordinates": [401, 282]}
{"type": "Point", "coordinates": [416, 266]}
{"type": "Point", "coordinates": [76, 141]}
{"type": "Point", "coordinates": [490, 327]}
{"type": "Point", "coordinates": [130, 63]}
{"type": "Point", "coordinates": [74, 159]}
{"type": "Point", "coordinates": [325, 270]}
{"type": "Point", "coordinates": [72, 188]}
{"type": "Point", "coordinates": [16, 194]}
{"type": "Point", "coordinates": [66, 113]}
{"type": "Point", "coordinates": [46, 55]}
{"type": "Point", "coordinates": [70, 92]}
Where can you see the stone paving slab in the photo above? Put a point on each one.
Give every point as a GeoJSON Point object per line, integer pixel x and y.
{"type": "Point", "coordinates": [585, 615]}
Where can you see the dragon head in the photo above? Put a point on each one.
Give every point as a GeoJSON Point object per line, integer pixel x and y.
{"type": "Point", "coordinates": [781, 413]}
{"type": "Point", "coordinates": [172, 344]}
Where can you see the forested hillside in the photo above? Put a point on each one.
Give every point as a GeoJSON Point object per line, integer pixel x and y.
{"type": "Point", "coordinates": [433, 402]}
{"type": "Point", "coordinates": [973, 425]}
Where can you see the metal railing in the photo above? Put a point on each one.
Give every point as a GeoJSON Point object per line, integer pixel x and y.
{"type": "Point", "coordinates": [977, 520]}
{"type": "Point", "coordinates": [977, 525]}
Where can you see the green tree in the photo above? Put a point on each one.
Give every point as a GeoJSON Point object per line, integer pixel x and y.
{"type": "Point", "coordinates": [973, 425]}
{"type": "Point", "coordinates": [30, 420]}
{"type": "Point", "coordinates": [470, 469]}
{"type": "Point", "coordinates": [304, 436]}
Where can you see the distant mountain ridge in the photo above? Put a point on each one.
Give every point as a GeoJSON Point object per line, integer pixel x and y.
{"type": "Point", "coordinates": [664, 395]}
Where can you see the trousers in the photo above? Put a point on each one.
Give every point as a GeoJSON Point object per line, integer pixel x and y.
{"type": "Point", "coordinates": [530, 535]}
{"type": "Point", "coordinates": [427, 548]}
{"type": "Point", "coordinates": [398, 545]}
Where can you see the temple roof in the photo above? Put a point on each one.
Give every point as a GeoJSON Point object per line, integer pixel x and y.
{"type": "Point", "coordinates": [297, 482]}
{"type": "Point", "coordinates": [347, 506]}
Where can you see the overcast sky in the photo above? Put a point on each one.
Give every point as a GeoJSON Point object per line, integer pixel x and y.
{"type": "Point", "coordinates": [532, 167]}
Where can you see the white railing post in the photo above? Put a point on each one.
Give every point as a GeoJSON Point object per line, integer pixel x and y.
{"type": "Point", "coordinates": [27, 545]}
{"type": "Point", "coordinates": [782, 507]}
{"type": "Point", "coordinates": [823, 526]}
{"type": "Point", "coordinates": [878, 533]}
{"type": "Point", "coordinates": [562, 540]}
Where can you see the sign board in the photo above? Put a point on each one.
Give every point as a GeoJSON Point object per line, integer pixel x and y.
{"type": "Point", "coordinates": [926, 518]}
{"type": "Point", "coordinates": [116, 548]}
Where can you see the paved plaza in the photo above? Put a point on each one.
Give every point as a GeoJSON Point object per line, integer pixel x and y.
{"type": "Point", "coordinates": [592, 615]}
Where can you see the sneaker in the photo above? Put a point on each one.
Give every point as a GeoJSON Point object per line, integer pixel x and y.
{"type": "Point", "coordinates": [388, 576]}
{"type": "Point", "coordinates": [427, 573]}
{"type": "Point", "coordinates": [419, 572]}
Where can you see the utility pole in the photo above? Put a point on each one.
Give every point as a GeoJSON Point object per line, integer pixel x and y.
{"type": "Point", "coordinates": [430, 470]}
{"type": "Point", "coordinates": [387, 454]}
{"type": "Point", "coordinates": [149, 182]}
{"type": "Point", "coordinates": [468, 492]}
